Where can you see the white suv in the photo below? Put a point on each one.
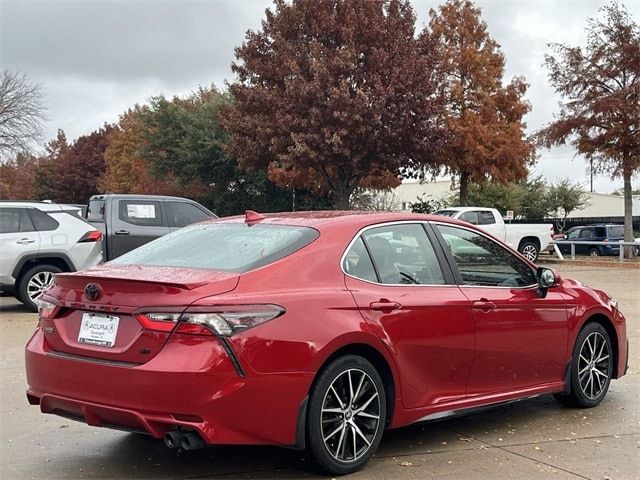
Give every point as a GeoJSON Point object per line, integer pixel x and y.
{"type": "Point", "coordinates": [40, 239]}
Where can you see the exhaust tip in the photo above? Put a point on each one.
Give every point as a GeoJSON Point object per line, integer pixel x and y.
{"type": "Point", "coordinates": [191, 441]}
{"type": "Point", "coordinates": [173, 439]}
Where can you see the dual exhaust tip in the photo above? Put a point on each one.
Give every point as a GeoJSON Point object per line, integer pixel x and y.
{"type": "Point", "coordinates": [188, 440]}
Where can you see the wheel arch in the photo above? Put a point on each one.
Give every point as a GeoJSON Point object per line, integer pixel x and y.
{"type": "Point", "coordinates": [377, 359]}
{"type": "Point", "coordinates": [607, 324]}
{"type": "Point", "coordinates": [531, 239]}
{"type": "Point", "coordinates": [29, 261]}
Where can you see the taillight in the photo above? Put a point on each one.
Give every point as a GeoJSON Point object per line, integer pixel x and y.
{"type": "Point", "coordinates": [47, 310]}
{"type": "Point", "coordinates": [160, 322]}
{"type": "Point", "coordinates": [92, 236]}
{"type": "Point", "coordinates": [221, 320]}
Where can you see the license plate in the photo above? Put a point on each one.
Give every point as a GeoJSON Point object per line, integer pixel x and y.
{"type": "Point", "coordinates": [97, 329]}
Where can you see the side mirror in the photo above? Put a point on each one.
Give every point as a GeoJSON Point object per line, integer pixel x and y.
{"type": "Point", "coordinates": [547, 278]}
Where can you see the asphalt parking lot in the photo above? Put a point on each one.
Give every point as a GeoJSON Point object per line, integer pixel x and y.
{"type": "Point", "coordinates": [532, 439]}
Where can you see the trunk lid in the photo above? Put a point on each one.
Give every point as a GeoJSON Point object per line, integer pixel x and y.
{"type": "Point", "coordinates": [110, 329]}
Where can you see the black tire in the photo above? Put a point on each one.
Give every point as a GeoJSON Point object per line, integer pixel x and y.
{"type": "Point", "coordinates": [589, 387]}
{"type": "Point", "coordinates": [594, 252]}
{"type": "Point", "coordinates": [530, 250]}
{"type": "Point", "coordinates": [329, 392]}
{"type": "Point", "coordinates": [25, 290]}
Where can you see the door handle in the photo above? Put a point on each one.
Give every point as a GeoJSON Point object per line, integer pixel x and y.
{"type": "Point", "coordinates": [484, 305]}
{"type": "Point", "coordinates": [122, 232]}
{"type": "Point", "coordinates": [25, 241]}
{"type": "Point", "coordinates": [384, 305]}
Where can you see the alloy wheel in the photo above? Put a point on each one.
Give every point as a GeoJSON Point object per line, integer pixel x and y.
{"type": "Point", "coordinates": [350, 415]}
{"type": "Point", "coordinates": [37, 284]}
{"type": "Point", "coordinates": [530, 252]}
{"type": "Point", "coordinates": [594, 365]}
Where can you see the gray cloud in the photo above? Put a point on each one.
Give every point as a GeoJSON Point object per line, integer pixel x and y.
{"type": "Point", "coordinates": [97, 58]}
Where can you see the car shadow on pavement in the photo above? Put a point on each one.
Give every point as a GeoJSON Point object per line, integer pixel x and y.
{"type": "Point", "coordinates": [528, 421]}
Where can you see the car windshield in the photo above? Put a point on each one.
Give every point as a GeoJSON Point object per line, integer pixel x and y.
{"type": "Point", "coordinates": [227, 247]}
{"type": "Point", "coordinates": [447, 213]}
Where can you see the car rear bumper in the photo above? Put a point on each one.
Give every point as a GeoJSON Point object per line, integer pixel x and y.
{"type": "Point", "coordinates": [190, 384]}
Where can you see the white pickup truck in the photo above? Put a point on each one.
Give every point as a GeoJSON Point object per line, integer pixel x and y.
{"type": "Point", "coordinates": [528, 238]}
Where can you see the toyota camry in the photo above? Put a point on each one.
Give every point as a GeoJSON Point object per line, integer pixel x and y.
{"type": "Point", "coordinates": [316, 331]}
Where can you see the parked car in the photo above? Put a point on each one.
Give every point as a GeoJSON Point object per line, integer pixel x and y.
{"type": "Point", "coordinates": [311, 330]}
{"type": "Point", "coordinates": [528, 238]}
{"type": "Point", "coordinates": [128, 221]}
{"type": "Point", "coordinates": [611, 234]}
{"type": "Point", "coordinates": [40, 239]}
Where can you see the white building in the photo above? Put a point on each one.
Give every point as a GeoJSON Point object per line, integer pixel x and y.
{"type": "Point", "coordinates": [600, 204]}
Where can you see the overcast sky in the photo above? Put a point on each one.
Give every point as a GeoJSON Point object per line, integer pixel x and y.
{"type": "Point", "coordinates": [94, 59]}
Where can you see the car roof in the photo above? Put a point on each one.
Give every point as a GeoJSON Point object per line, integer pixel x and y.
{"type": "Point", "coordinates": [335, 218]}
{"type": "Point", "coordinates": [137, 196]}
{"type": "Point", "coordinates": [43, 206]}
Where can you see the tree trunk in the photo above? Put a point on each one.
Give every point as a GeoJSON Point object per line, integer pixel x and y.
{"type": "Point", "coordinates": [628, 203]}
{"type": "Point", "coordinates": [464, 189]}
{"type": "Point", "coordinates": [340, 196]}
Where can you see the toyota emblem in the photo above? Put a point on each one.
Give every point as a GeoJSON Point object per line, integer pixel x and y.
{"type": "Point", "coordinates": [92, 291]}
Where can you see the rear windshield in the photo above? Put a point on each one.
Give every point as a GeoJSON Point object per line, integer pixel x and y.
{"type": "Point", "coordinates": [223, 247]}
{"type": "Point", "coordinates": [446, 213]}
{"type": "Point", "coordinates": [617, 231]}
{"type": "Point", "coordinates": [95, 210]}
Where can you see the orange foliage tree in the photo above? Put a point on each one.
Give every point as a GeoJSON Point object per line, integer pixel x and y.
{"type": "Point", "coordinates": [600, 83]}
{"type": "Point", "coordinates": [484, 119]}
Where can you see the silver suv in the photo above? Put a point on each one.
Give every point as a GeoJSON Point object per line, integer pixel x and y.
{"type": "Point", "coordinates": [38, 240]}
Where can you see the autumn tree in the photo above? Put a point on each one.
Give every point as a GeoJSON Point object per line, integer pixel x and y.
{"type": "Point", "coordinates": [70, 173]}
{"type": "Point", "coordinates": [18, 177]}
{"type": "Point", "coordinates": [484, 119]}
{"type": "Point", "coordinates": [125, 171]}
{"type": "Point", "coordinates": [600, 85]}
{"type": "Point", "coordinates": [182, 138]}
{"type": "Point", "coordinates": [332, 95]}
{"type": "Point", "coordinates": [22, 113]}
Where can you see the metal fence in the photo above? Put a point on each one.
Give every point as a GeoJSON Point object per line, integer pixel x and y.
{"type": "Point", "coordinates": [609, 244]}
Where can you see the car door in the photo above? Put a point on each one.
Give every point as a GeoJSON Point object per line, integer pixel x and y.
{"type": "Point", "coordinates": [18, 237]}
{"type": "Point", "coordinates": [521, 338]}
{"type": "Point", "coordinates": [181, 214]}
{"type": "Point", "coordinates": [406, 293]}
{"type": "Point", "coordinates": [134, 223]}
{"type": "Point", "coordinates": [587, 234]}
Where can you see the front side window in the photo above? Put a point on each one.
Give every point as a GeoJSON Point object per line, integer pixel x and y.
{"type": "Point", "coordinates": [141, 212]}
{"type": "Point", "coordinates": [225, 247]}
{"type": "Point", "coordinates": [402, 255]}
{"type": "Point", "coordinates": [574, 234]}
{"type": "Point", "coordinates": [483, 262]}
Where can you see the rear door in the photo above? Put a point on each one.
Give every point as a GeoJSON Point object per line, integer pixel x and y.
{"type": "Point", "coordinates": [18, 237]}
{"type": "Point", "coordinates": [521, 339]}
{"type": "Point", "coordinates": [134, 223]}
{"type": "Point", "coordinates": [405, 292]}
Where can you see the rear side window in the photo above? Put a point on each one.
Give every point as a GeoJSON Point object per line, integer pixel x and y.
{"type": "Point", "coordinates": [357, 262]}
{"type": "Point", "coordinates": [141, 212]}
{"type": "Point", "coordinates": [14, 220]}
{"type": "Point", "coordinates": [616, 232]}
{"type": "Point", "coordinates": [182, 214]}
{"type": "Point", "coordinates": [43, 222]}
{"type": "Point", "coordinates": [486, 218]}
{"type": "Point", "coordinates": [231, 247]}
{"type": "Point", "coordinates": [95, 211]}
{"type": "Point", "coordinates": [471, 217]}
{"type": "Point", "coordinates": [586, 233]}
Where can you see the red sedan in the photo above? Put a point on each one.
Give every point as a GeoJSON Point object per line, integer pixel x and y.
{"type": "Point", "coordinates": [316, 330]}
